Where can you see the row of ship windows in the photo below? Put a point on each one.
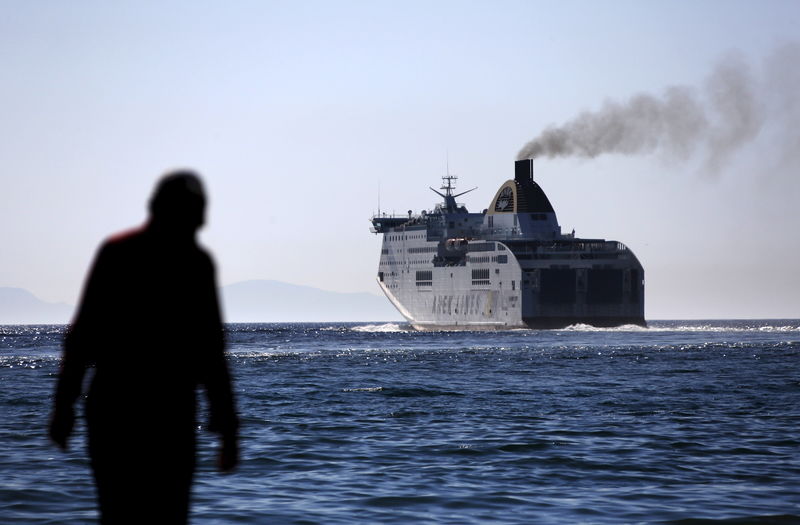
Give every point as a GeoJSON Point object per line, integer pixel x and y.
{"type": "Point", "coordinates": [476, 282]}
{"type": "Point", "coordinates": [404, 236]}
{"type": "Point", "coordinates": [478, 274]}
{"type": "Point", "coordinates": [480, 277]}
{"type": "Point", "coordinates": [502, 259]}
{"type": "Point", "coordinates": [424, 249]}
{"type": "Point", "coordinates": [424, 278]}
{"type": "Point", "coordinates": [482, 247]}
{"type": "Point", "coordinates": [477, 247]}
{"type": "Point", "coordinates": [404, 263]}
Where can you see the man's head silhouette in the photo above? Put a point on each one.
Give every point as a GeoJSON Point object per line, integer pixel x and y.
{"type": "Point", "coordinates": [178, 203]}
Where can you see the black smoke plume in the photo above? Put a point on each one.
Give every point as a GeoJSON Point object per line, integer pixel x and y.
{"type": "Point", "coordinates": [727, 112]}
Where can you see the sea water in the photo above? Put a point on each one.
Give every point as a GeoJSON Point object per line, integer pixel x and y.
{"type": "Point", "coordinates": [680, 422]}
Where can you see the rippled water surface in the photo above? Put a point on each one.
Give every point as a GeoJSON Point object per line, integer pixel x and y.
{"type": "Point", "coordinates": [363, 423]}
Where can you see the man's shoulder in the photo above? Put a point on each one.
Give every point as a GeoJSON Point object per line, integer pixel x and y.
{"type": "Point", "coordinates": [134, 241]}
{"type": "Point", "coordinates": [124, 239]}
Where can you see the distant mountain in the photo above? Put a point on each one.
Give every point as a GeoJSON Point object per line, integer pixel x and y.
{"type": "Point", "coordinates": [249, 301]}
{"type": "Point", "coordinates": [18, 306]}
{"type": "Point", "coordinates": [274, 301]}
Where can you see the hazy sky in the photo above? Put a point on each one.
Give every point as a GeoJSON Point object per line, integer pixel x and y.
{"type": "Point", "coordinates": [299, 114]}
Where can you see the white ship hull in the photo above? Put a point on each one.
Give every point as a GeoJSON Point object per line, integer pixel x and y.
{"type": "Point", "coordinates": [452, 301]}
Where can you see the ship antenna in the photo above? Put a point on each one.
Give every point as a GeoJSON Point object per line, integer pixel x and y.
{"type": "Point", "coordinates": [447, 180]}
{"type": "Point", "coordinates": [447, 184]}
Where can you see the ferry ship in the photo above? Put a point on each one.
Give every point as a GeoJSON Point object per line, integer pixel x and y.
{"type": "Point", "coordinates": [506, 267]}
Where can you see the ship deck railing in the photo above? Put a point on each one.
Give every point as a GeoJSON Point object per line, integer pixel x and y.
{"type": "Point", "coordinates": [568, 246]}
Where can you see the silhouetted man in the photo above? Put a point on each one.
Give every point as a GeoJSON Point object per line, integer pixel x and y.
{"type": "Point", "coordinates": [149, 323]}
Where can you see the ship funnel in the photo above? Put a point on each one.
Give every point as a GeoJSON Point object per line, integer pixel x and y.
{"type": "Point", "coordinates": [523, 170]}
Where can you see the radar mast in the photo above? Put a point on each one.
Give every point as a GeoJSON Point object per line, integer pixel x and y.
{"type": "Point", "coordinates": [448, 185]}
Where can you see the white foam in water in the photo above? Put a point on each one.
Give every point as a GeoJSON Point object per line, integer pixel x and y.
{"type": "Point", "coordinates": [580, 327]}
{"type": "Point", "coordinates": [722, 328]}
{"type": "Point", "coordinates": [700, 327]}
{"type": "Point", "coordinates": [387, 327]}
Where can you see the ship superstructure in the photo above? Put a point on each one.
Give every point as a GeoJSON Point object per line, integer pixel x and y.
{"type": "Point", "coordinates": [507, 267]}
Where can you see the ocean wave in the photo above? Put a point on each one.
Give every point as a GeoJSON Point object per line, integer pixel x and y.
{"type": "Point", "coordinates": [656, 326]}
{"type": "Point", "coordinates": [24, 361]}
{"type": "Point", "coordinates": [723, 328]}
{"type": "Point", "coordinates": [581, 327]}
{"type": "Point", "coordinates": [364, 389]}
{"type": "Point", "coordinates": [386, 327]}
